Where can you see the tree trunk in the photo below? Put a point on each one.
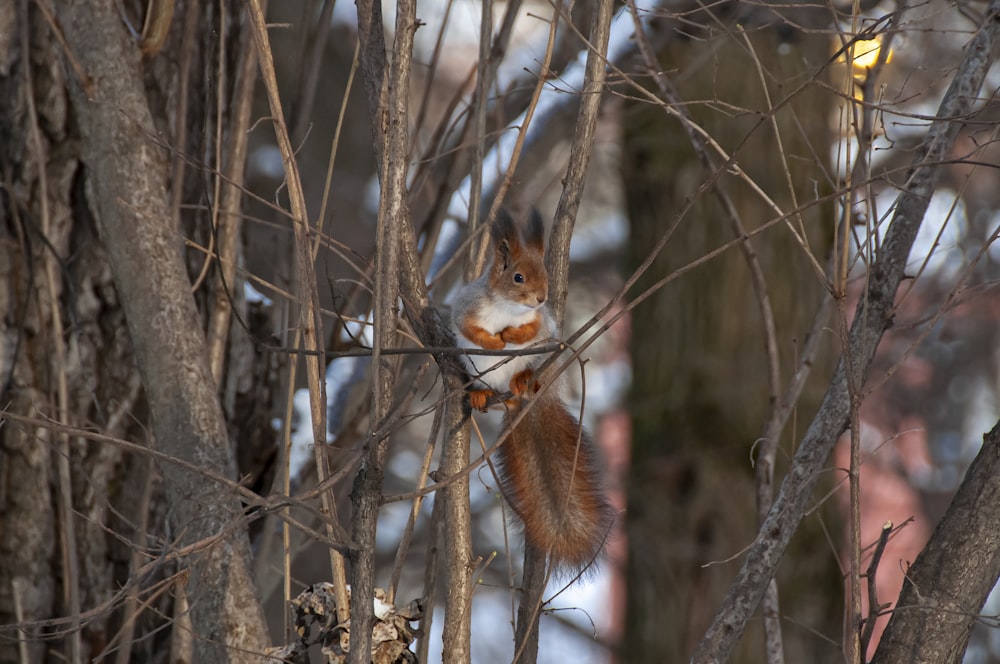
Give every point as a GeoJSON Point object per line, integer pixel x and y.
{"type": "Point", "coordinates": [90, 241]}
{"type": "Point", "coordinates": [700, 390]}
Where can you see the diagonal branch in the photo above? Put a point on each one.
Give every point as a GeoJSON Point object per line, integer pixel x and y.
{"type": "Point", "coordinates": [873, 317]}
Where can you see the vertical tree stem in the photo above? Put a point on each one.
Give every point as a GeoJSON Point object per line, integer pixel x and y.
{"type": "Point", "coordinates": [389, 102]}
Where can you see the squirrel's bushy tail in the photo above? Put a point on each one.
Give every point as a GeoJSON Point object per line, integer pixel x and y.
{"type": "Point", "coordinates": [553, 483]}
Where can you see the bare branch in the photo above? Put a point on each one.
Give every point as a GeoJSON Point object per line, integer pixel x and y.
{"type": "Point", "coordinates": [557, 254]}
{"type": "Point", "coordinates": [230, 209]}
{"type": "Point", "coordinates": [68, 541]}
{"type": "Point", "coordinates": [457, 528]}
{"type": "Point", "coordinates": [873, 606]}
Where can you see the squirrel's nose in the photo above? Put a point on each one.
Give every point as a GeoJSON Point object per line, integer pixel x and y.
{"type": "Point", "coordinates": [540, 298]}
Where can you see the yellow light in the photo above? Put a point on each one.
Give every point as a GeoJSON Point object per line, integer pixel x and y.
{"type": "Point", "coordinates": [866, 53]}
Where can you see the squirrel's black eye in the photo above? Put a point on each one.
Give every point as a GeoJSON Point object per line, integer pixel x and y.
{"type": "Point", "coordinates": [518, 278]}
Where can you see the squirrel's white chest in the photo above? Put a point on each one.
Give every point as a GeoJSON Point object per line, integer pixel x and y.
{"type": "Point", "coordinates": [494, 316]}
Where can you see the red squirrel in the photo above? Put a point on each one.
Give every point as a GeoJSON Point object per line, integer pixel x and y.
{"type": "Point", "coordinates": [548, 465]}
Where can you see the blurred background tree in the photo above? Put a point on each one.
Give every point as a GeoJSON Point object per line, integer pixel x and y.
{"type": "Point", "coordinates": [702, 385]}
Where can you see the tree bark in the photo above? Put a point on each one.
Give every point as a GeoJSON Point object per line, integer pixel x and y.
{"type": "Point", "coordinates": [53, 275]}
{"type": "Point", "coordinates": [127, 186]}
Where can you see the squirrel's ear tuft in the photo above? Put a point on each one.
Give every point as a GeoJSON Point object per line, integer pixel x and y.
{"type": "Point", "coordinates": [534, 235]}
{"type": "Point", "coordinates": [506, 239]}
{"type": "Point", "coordinates": [503, 255]}
{"type": "Point", "coordinates": [503, 228]}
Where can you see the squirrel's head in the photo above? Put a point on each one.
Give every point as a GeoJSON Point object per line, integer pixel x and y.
{"type": "Point", "coordinates": [518, 271]}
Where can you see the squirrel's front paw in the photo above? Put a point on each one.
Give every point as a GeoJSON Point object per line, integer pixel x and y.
{"type": "Point", "coordinates": [520, 334]}
{"type": "Point", "coordinates": [478, 399]}
{"type": "Point", "coordinates": [482, 337]}
{"type": "Point", "coordinates": [492, 342]}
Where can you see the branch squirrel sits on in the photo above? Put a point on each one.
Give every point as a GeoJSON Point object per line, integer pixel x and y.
{"type": "Point", "coordinates": [548, 465]}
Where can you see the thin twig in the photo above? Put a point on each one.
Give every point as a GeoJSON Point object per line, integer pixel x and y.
{"type": "Point", "coordinates": [68, 545]}
{"type": "Point", "coordinates": [19, 587]}
{"type": "Point", "coordinates": [334, 149]}
{"type": "Point", "coordinates": [310, 66]}
{"type": "Point", "coordinates": [221, 85]}
{"type": "Point", "coordinates": [229, 219]}
{"type": "Point", "coordinates": [131, 609]}
{"type": "Point", "coordinates": [484, 79]}
{"type": "Point", "coordinates": [407, 536]}
{"type": "Point", "coordinates": [522, 133]}
{"type": "Point", "coordinates": [191, 15]}
{"type": "Point", "coordinates": [854, 654]}
{"type": "Point", "coordinates": [873, 606]}
{"type": "Point", "coordinates": [431, 586]}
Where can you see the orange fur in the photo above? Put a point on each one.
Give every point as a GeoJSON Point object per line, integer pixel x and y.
{"type": "Point", "coordinates": [479, 399]}
{"type": "Point", "coordinates": [521, 334]}
{"type": "Point", "coordinates": [481, 337]}
{"type": "Point", "coordinates": [550, 477]}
